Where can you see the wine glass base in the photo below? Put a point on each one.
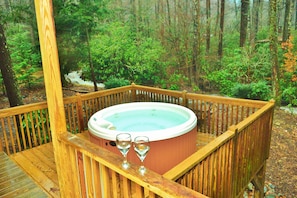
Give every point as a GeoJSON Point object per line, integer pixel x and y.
{"type": "Point", "coordinates": [142, 170]}
{"type": "Point", "coordinates": [125, 165]}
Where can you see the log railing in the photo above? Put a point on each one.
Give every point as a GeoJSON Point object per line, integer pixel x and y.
{"type": "Point", "coordinates": [221, 168]}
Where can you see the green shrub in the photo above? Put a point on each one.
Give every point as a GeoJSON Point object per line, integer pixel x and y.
{"type": "Point", "coordinates": [289, 96]}
{"type": "Point", "coordinates": [241, 91]}
{"type": "Point", "coordinates": [257, 91]}
{"type": "Point", "coordinates": [114, 82]}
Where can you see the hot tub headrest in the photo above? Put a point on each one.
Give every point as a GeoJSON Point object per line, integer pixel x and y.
{"type": "Point", "coordinates": [104, 124]}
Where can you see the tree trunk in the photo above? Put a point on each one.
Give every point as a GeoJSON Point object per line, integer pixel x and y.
{"type": "Point", "coordinates": [9, 79]}
{"type": "Point", "coordinates": [90, 61]}
{"type": "Point", "coordinates": [208, 11]}
{"type": "Point", "coordinates": [168, 13]}
{"type": "Point", "coordinates": [295, 14]}
{"type": "Point", "coordinates": [217, 18]}
{"type": "Point", "coordinates": [244, 21]}
{"type": "Point", "coordinates": [254, 22]}
{"type": "Point", "coordinates": [286, 28]}
{"type": "Point", "coordinates": [235, 8]}
{"type": "Point", "coordinates": [196, 41]}
{"type": "Point", "coordinates": [273, 33]}
{"type": "Point", "coordinates": [221, 32]}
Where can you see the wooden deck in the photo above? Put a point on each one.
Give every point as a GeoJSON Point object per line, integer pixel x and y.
{"type": "Point", "coordinates": [39, 164]}
{"type": "Point", "coordinates": [14, 182]}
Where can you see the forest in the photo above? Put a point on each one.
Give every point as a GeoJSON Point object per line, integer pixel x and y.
{"type": "Point", "coordinates": [244, 49]}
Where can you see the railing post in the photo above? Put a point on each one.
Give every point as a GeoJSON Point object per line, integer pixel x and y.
{"type": "Point", "coordinates": [233, 171]}
{"type": "Point", "coordinates": [80, 112]}
{"type": "Point", "coordinates": [133, 92]}
{"type": "Point", "coordinates": [1, 146]}
{"type": "Point", "coordinates": [184, 96]}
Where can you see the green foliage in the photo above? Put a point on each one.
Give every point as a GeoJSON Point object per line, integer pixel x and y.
{"type": "Point", "coordinates": [174, 82]}
{"type": "Point", "coordinates": [25, 58]}
{"type": "Point", "coordinates": [288, 86]}
{"type": "Point", "coordinates": [223, 80]}
{"type": "Point", "coordinates": [263, 33]}
{"type": "Point", "coordinates": [114, 82]}
{"type": "Point", "coordinates": [116, 52]}
{"type": "Point", "coordinates": [33, 124]}
{"type": "Point", "coordinates": [241, 66]}
{"type": "Point", "coordinates": [75, 22]}
{"type": "Point", "coordinates": [289, 96]}
{"type": "Point", "coordinates": [258, 91]}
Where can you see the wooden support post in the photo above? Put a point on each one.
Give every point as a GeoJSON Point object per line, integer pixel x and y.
{"type": "Point", "coordinates": [80, 113]}
{"type": "Point", "coordinates": [184, 95]}
{"type": "Point", "coordinates": [233, 172]}
{"type": "Point", "coordinates": [53, 85]}
{"type": "Point", "coordinates": [133, 94]}
{"type": "Point", "coordinates": [259, 182]}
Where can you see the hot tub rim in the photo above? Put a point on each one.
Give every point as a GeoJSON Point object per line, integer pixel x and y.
{"type": "Point", "coordinates": [154, 135]}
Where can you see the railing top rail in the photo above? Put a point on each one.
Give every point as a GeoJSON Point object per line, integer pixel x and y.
{"type": "Point", "coordinates": [155, 89]}
{"type": "Point", "coordinates": [246, 122]}
{"type": "Point", "coordinates": [105, 92]}
{"type": "Point", "coordinates": [151, 180]}
{"type": "Point", "coordinates": [226, 100]}
{"type": "Point", "coordinates": [22, 109]}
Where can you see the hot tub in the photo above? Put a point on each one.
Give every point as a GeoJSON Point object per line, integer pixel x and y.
{"type": "Point", "coordinates": [170, 128]}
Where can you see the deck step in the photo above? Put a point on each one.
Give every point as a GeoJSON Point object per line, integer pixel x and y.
{"type": "Point", "coordinates": [14, 182]}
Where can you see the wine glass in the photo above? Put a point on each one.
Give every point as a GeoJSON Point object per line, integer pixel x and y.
{"type": "Point", "coordinates": [123, 142]}
{"type": "Point", "coordinates": [141, 147]}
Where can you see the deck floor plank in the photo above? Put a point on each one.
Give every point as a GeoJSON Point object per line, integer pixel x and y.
{"type": "Point", "coordinates": [39, 164]}
{"type": "Point", "coordinates": [14, 182]}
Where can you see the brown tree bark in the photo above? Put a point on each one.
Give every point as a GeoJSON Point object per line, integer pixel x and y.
{"type": "Point", "coordinates": [254, 22]}
{"type": "Point", "coordinates": [273, 33]}
{"type": "Point", "coordinates": [208, 11]}
{"type": "Point", "coordinates": [196, 41]}
{"type": "Point", "coordinates": [9, 79]}
{"type": "Point", "coordinates": [244, 21]}
{"type": "Point", "coordinates": [286, 28]}
{"type": "Point", "coordinates": [221, 32]}
{"type": "Point", "coordinates": [295, 2]}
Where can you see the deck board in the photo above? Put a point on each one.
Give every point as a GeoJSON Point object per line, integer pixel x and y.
{"type": "Point", "coordinates": [14, 182]}
{"type": "Point", "coordinates": [39, 163]}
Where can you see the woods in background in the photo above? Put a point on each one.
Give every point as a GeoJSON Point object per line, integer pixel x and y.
{"type": "Point", "coordinates": [228, 46]}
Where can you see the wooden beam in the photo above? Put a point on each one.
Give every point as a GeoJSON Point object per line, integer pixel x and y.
{"type": "Point", "coordinates": [53, 85]}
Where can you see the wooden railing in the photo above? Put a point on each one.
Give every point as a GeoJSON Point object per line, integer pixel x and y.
{"type": "Point", "coordinates": [237, 156]}
{"type": "Point", "coordinates": [24, 127]}
{"type": "Point", "coordinates": [226, 165]}
{"type": "Point", "coordinates": [99, 174]}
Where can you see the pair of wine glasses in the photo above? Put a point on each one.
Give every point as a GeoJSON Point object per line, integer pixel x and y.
{"type": "Point", "coordinates": [141, 147]}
